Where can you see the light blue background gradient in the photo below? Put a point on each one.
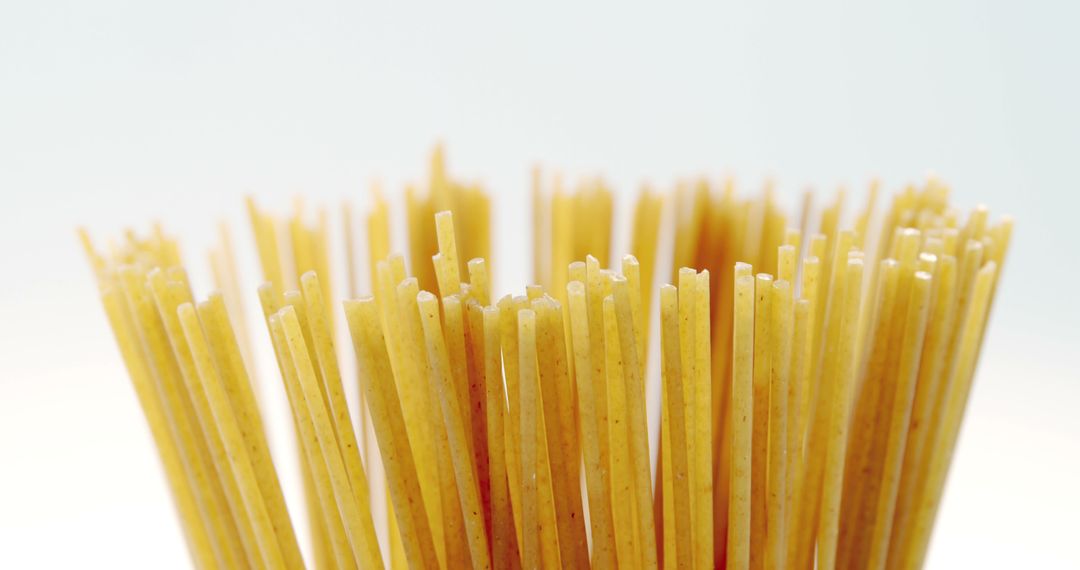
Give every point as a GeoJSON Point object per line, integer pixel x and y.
{"type": "Point", "coordinates": [115, 113]}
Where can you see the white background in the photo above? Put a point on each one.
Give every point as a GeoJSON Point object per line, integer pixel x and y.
{"type": "Point", "coordinates": [116, 113]}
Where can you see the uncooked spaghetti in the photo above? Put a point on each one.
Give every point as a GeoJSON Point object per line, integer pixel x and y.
{"type": "Point", "coordinates": [809, 411]}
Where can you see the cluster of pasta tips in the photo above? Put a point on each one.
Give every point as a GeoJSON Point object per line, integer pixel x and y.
{"type": "Point", "coordinates": [808, 412]}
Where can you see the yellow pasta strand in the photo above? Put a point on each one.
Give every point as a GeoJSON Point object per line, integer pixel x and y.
{"type": "Point", "coordinates": [780, 376]}
{"type": "Point", "coordinates": [323, 344]}
{"type": "Point", "coordinates": [739, 527]}
{"type": "Point", "coordinates": [232, 439]}
{"type": "Point", "coordinates": [704, 397]}
{"type": "Point", "coordinates": [959, 389]}
{"type": "Point", "coordinates": [168, 297]}
{"type": "Point", "coordinates": [914, 334]}
{"type": "Point", "coordinates": [418, 407]}
{"type": "Point", "coordinates": [237, 385]}
{"type": "Point", "coordinates": [382, 396]}
{"type": "Point", "coordinates": [454, 418]}
{"type": "Point", "coordinates": [635, 403]}
{"type": "Point", "coordinates": [530, 496]}
{"type": "Point", "coordinates": [504, 545]}
{"type": "Point", "coordinates": [184, 495]}
{"type": "Point", "coordinates": [622, 475]}
{"type": "Point", "coordinates": [759, 455]}
{"type": "Point", "coordinates": [557, 400]}
{"type": "Point", "coordinates": [354, 507]}
{"type": "Point", "coordinates": [680, 467]}
{"type": "Point", "coordinates": [839, 396]}
{"type": "Point", "coordinates": [327, 532]}
{"type": "Point", "coordinates": [597, 476]}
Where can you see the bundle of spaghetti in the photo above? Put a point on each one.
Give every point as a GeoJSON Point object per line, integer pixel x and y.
{"type": "Point", "coordinates": [809, 412]}
{"type": "Point", "coordinates": [192, 384]}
